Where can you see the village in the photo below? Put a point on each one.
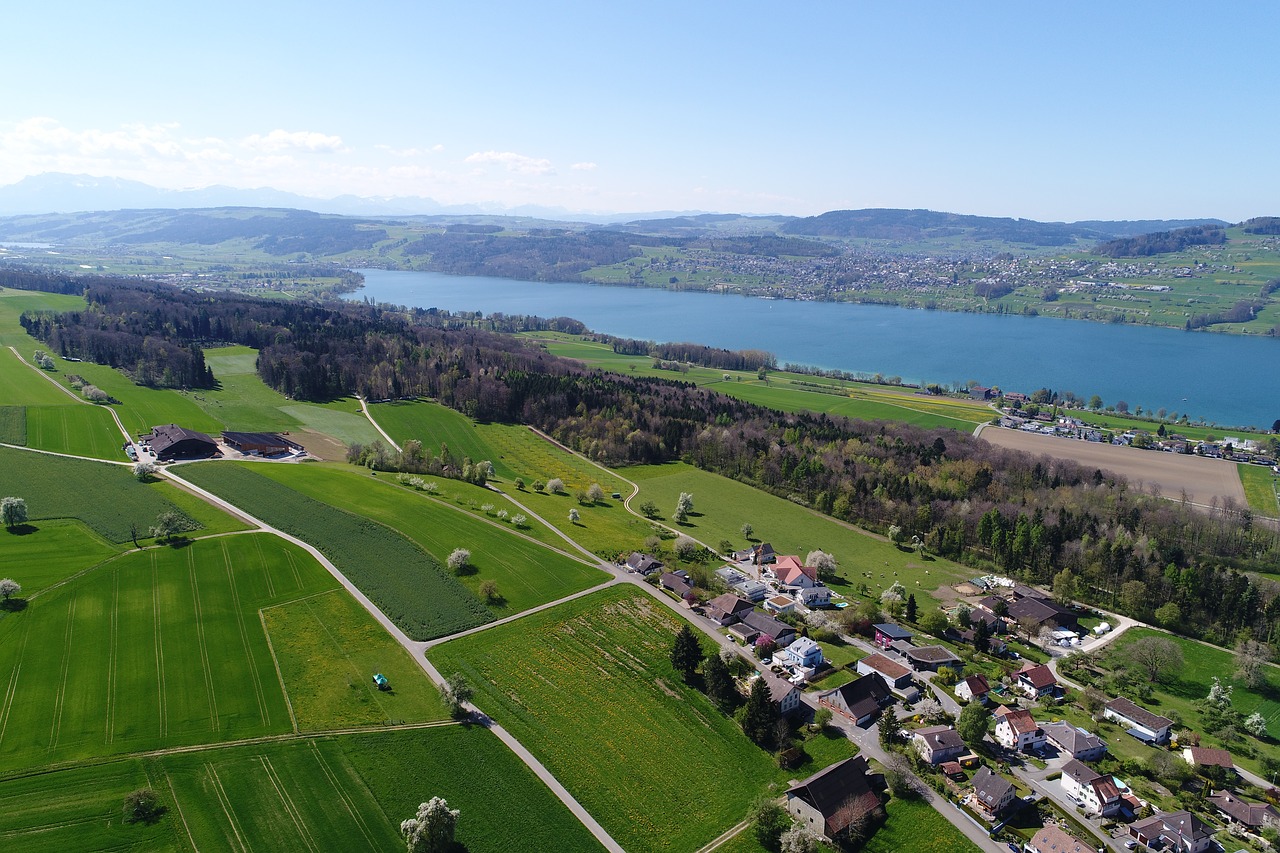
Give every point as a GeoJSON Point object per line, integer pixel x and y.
{"type": "Point", "coordinates": [976, 699]}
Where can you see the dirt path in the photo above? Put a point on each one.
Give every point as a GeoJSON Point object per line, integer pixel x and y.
{"type": "Point", "coordinates": [365, 408]}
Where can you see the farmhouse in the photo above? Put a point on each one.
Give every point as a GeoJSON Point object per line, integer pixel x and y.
{"type": "Point", "coordinates": [937, 744]}
{"type": "Point", "coordinates": [1144, 725]}
{"type": "Point", "coordinates": [1252, 816]}
{"type": "Point", "coordinates": [783, 693]}
{"type": "Point", "coordinates": [1076, 742]}
{"type": "Point", "coordinates": [1016, 729]}
{"type": "Point", "coordinates": [829, 801]}
{"type": "Point", "coordinates": [858, 700]}
{"type": "Point", "coordinates": [1098, 794]}
{"type": "Point", "coordinates": [973, 689]}
{"type": "Point", "coordinates": [1051, 839]}
{"type": "Point", "coordinates": [260, 443]}
{"type": "Point", "coordinates": [993, 792]}
{"type": "Point", "coordinates": [1180, 832]}
{"type": "Point", "coordinates": [171, 442]}
{"type": "Point", "coordinates": [933, 658]}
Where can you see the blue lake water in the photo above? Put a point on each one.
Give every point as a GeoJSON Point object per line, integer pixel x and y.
{"type": "Point", "coordinates": [1227, 379]}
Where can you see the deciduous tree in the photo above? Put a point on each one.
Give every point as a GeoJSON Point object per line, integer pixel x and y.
{"type": "Point", "coordinates": [1154, 656]}
{"type": "Point", "coordinates": [9, 588]}
{"type": "Point", "coordinates": [456, 692]}
{"type": "Point", "coordinates": [747, 530]}
{"type": "Point", "coordinates": [13, 511]}
{"type": "Point", "coordinates": [1251, 660]}
{"type": "Point", "coordinates": [972, 723]}
{"type": "Point", "coordinates": [432, 829]}
{"type": "Point", "coordinates": [142, 806]}
{"type": "Point", "coordinates": [824, 563]}
{"type": "Point", "coordinates": [459, 561]}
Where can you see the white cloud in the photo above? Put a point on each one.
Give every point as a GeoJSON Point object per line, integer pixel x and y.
{"type": "Point", "coordinates": [584, 167]}
{"type": "Point", "coordinates": [513, 162]}
{"type": "Point", "coordinates": [300, 140]}
{"type": "Point", "coordinates": [410, 152]}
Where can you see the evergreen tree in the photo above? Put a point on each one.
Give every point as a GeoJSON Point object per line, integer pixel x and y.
{"type": "Point", "coordinates": [982, 637]}
{"type": "Point", "coordinates": [911, 607]}
{"type": "Point", "coordinates": [719, 683]}
{"type": "Point", "coordinates": [686, 653]}
{"type": "Point", "coordinates": [760, 718]}
{"type": "Point", "coordinates": [890, 729]}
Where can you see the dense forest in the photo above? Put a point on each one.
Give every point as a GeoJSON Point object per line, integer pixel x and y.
{"type": "Point", "coordinates": [1160, 242]}
{"type": "Point", "coordinates": [967, 499]}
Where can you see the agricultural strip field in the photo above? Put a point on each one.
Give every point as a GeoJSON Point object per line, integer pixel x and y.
{"type": "Point", "coordinates": [401, 579]}
{"type": "Point", "coordinates": [21, 385]}
{"type": "Point", "coordinates": [328, 649]}
{"type": "Point", "coordinates": [77, 430]}
{"type": "Point", "coordinates": [527, 574]}
{"type": "Point", "coordinates": [155, 649]}
{"type": "Point", "coordinates": [212, 519]}
{"type": "Point", "coordinates": [1259, 485]}
{"type": "Point", "coordinates": [588, 687]}
{"type": "Point", "coordinates": [338, 794]}
{"type": "Point", "coordinates": [1203, 480]}
{"type": "Point", "coordinates": [105, 497]}
{"type": "Point", "coordinates": [722, 505]}
{"type": "Point", "coordinates": [52, 552]}
{"type": "Point", "coordinates": [13, 425]}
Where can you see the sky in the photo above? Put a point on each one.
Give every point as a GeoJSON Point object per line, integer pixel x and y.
{"type": "Point", "coordinates": [1087, 110]}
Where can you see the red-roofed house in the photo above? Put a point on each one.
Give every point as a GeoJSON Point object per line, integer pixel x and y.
{"type": "Point", "coordinates": [791, 572]}
{"type": "Point", "coordinates": [1036, 680]}
{"type": "Point", "coordinates": [1016, 729]}
{"type": "Point", "coordinates": [974, 688]}
{"type": "Point", "coordinates": [1098, 794]}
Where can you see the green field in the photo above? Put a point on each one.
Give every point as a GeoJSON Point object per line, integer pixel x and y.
{"type": "Point", "coordinates": [310, 794]}
{"type": "Point", "coordinates": [157, 648]}
{"type": "Point", "coordinates": [105, 497]}
{"type": "Point", "coordinates": [54, 551]}
{"type": "Point", "coordinates": [588, 687]}
{"type": "Point", "coordinates": [141, 408]}
{"type": "Point", "coordinates": [210, 518]}
{"type": "Point", "coordinates": [1259, 489]}
{"type": "Point", "coordinates": [527, 574]}
{"type": "Point", "coordinates": [434, 425]}
{"type": "Point", "coordinates": [14, 302]}
{"type": "Point", "coordinates": [23, 385]}
{"type": "Point", "coordinates": [722, 505]}
{"type": "Point", "coordinates": [405, 582]}
{"type": "Point", "coordinates": [77, 430]}
{"type": "Point", "coordinates": [242, 401]}
{"type": "Point", "coordinates": [13, 425]}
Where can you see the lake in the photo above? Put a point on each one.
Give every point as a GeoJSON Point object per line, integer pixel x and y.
{"type": "Point", "coordinates": [1224, 379]}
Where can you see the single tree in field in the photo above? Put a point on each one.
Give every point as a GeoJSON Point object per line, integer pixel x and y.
{"type": "Point", "coordinates": [1155, 656]}
{"type": "Point", "coordinates": [687, 548]}
{"type": "Point", "coordinates": [573, 515]}
{"type": "Point", "coordinates": [555, 485]}
{"type": "Point", "coordinates": [168, 524]}
{"type": "Point", "coordinates": [431, 830]}
{"type": "Point", "coordinates": [13, 511]}
{"type": "Point", "coordinates": [489, 589]}
{"type": "Point", "coordinates": [142, 806]}
{"type": "Point", "coordinates": [972, 723]}
{"type": "Point", "coordinates": [595, 493]}
{"type": "Point", "coordinates": [1251, 661]}
{"type": "Point", "coordinates": [649, 509]}
{"type": "Point", "coordinates": [824, 563]}
{"type": "Point", "coordinates": [760, 718]}
{"type": "Point", "coordinates": [459, 561]}
{"type": "Point", "coordinates": [747, 530]}
{"type": "Point", "coordinates": [720, 689]}
{"type": "Point", "coordinates": [684, 506]}
{"type": "Point", "coordinates": [143, 470]}
{"type": "Point", "coordinates": [456, 691]}
{"type": "Point", "coordinates": [686, 653]}
{"type": "Point", "coordinates": [9, 588]}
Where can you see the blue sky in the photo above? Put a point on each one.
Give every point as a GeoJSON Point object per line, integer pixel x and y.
{"type": "Point", "coordinates": [1047, 111]}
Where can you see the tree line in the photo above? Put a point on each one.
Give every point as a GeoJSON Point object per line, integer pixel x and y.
{"type": "Point", "coordinates": [1042, 516]}
{"type": "Point", "coordinates": [1160, 242]}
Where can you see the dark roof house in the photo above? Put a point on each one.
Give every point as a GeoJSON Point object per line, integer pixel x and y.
{"type": "Point", "coordinates": [932, 658]}
{"type": "Point", "coordinates": [171, 441]}
{"type": "Point", "coordinates": [782, 633]}
{"type": "Point", "coordinates": [859, 700]}
{"type": "Point", "coordinates": [728, 608]}
{"type": "Point", "coordinates": [830, 800]}
{"type": "Point", "coordinates": [643, 564]}
{"type": "Point", "coordinates": [1253, 815]}
{"type": "Point", "coordinates": [260, 443]}
{"type": "Point", "coordinates": [993, 792]}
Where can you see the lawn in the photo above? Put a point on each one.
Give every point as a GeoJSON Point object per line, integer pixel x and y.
{"type": "Point", "coordinates": [722, 505]}
{"type": "Point", "coordinates": [588, 687]}
{"type": "Point", "coordinates": [328, 649]}
{"type": "Point", "coordinates": [52, 552]}
{"type": "Point", "coordinates": [1259, 489]}
{"type": "Point", "coordinates": [341, 420]}
{"type": "Point", "coordinates": [157, 648]}
{"type": "Point", "coordinates": [77, 430]}
{"type": "Point", "coordinates": [105, 497]}
{"type": "Point", "coordinates": [22, 385]}
{"type": "Point", "coordinates": [401, 579]}
{"type": "Point", "coordinates": [527, 574]}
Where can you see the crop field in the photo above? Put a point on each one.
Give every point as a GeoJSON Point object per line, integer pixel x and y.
{"type": "Point", "coordinates": [52, 552]}
{"type": "Point", "coordinates": [527, 574]}
{"type": "Point", "coordinates": [77, 430]}
{"type": "Point", "coordinates": [211, 518]}
{"type": "Point", "coordinates": [158, 648]}
{"type": "Point", "coordinates": [722, 505]}
{"type": "Point", "coordinates": [1259, 489]}
{"type": "Point", "coordinates": [13, 425]}
{"type": "Point", "coordinates": [342, 420]}
{"type": "Point", "coordinates": [22, 385]}
{"type": "Point", "coordinates": [328, 649]}
{"type": "Point", "coordinates": [588, 687]}
{"type": "Point", "coordinates": [405, 582]}
{"type": "Point", "coordinates": [105, 497]}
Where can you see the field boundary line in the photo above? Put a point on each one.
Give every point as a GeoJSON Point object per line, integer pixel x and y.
{"type": "Point", "coordinates": [262, 558]}
{"type": "Point", "coordinates": [67, 455]}
{"type": "Point", "coordinates": [173, 792]}
{"type": "Point", "coordinates": [288, 703]}
{"type": "Point", "coordinates": [82, 573]}
{"type": "Point", "coordinates": [290, 807]}
{"type": "Point", "coordinates": [13, 682]}
{"type": "Point", "coordinates": [60, 700]}
{"type": "Point", "coordinates": [258, 692]}
{"type": "Point", "coordinates": [200, 642]}
{"type": "Point", "coordinates": [613, 581]}
{"type": "Point", "coordinates": [225, 802]}
{"type": "Point", "coordinates": [334, 783]}
{"type": "Point", "coordinates": [113, 636]}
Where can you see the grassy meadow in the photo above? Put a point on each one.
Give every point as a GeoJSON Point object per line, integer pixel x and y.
{"type": "Point", "coordinates": [23, 385]}
{"type": "Point", "coordinates": [405, 582]}
{"type": "Point", "coordinates": [52, 552]}
{"type": "Point", "coordinates": [588, 687]}
{"type": "Point", "coordinates": [14, 302]}
{"type": "Point", "coordinates": [1260, 489]}
{"type": "Point", "coordinates": [75, 430]}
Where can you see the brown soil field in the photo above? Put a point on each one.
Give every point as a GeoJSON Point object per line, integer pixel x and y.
{"type": "Point", "coordinates": [1172, 473]}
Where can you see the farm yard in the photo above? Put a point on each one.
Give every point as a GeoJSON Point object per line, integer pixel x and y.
{"type": "Point", "coordinates": [404, 581]}
{"type": "Point", "coordinates": [588, 687]}
{"type": "Point", "coordinates": [527, 574]}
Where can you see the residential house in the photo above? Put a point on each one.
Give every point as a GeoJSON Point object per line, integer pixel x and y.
{"type": "Point", "coordinates": [830, 800]}
{"type": "Point", "coordinates": [783, 634]}
{"type": "Point", "coordinates": [792, 573]}
{"type": "Point", "coordinates": [814, 597]}
{"type": "Point", "coordinates": [1098, 794]}
{"type": "Point", "coordinates": [1036, 680]}
{"type": "Point", "coordinates": [780, 604]}
{"type": "Point", "coordinates": [888, 633]}
{"type": "Point", "coordinates": [743, 632]}
{"type": "Point", "coordinates": [1142, 724]}
{"type": "Point", "coordinates": [750, 590]}
{"type": "Point", "coordinates": [1179, 832]}
{"type": "Point", "coordinates": [677, 583]}
{"type": "Point", "coordinates": [1016, 729]}
{"type": "Point", "coordinates": [1244, 814]}
{"type": "Point", "coordinates": [804, 652]}
{"type": "Point", "coordinates": [897, 676]}
{"type": "Point", "coordinates": [763, 554]}
{"type": "Point", "coordinates": [973, 689]}
{"type": "Point", "coordinates": [1076, 742]}
{"type": "Point", "coordinates": [643, 564]}
{"type": "Point", "coordinates": [1203, 756]}
{"type": "Point", "coordinates": [933, 658]}
{"type": "Point", "coordinates": [937, 744]}
{"type": "Point", "coordinates": [728, 608]}
{"type": "Point", "coordinates": [783, 693]}
{"type": "Point", "coordinates": [992, 792]}
{"type": "Point", "coordinates": [1051, 839]}
{"type": "Point", "coordinates": [859, 700]}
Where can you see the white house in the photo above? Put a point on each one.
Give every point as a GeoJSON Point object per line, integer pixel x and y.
{"type": "Point", "coordinates": [1142, 724]}
{"type": "Point", "coordinates": [804, 652]}
{"type": "Point", "coordinates": [818, 596]}
{"type": "Point", "coordinates": [1097, 793]}
{"type": "Point", "coordinates": [1016, 729]}
{"type": "Point", "coordinates": [973, 688]}
{"type": "Point", "coordinates": [1180, 831]}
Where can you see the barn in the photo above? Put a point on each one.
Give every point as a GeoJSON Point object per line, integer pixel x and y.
{"type": "Point", "coordinates": [260, 443]}
{"type": "Point", "coordinates": [171, 442]}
